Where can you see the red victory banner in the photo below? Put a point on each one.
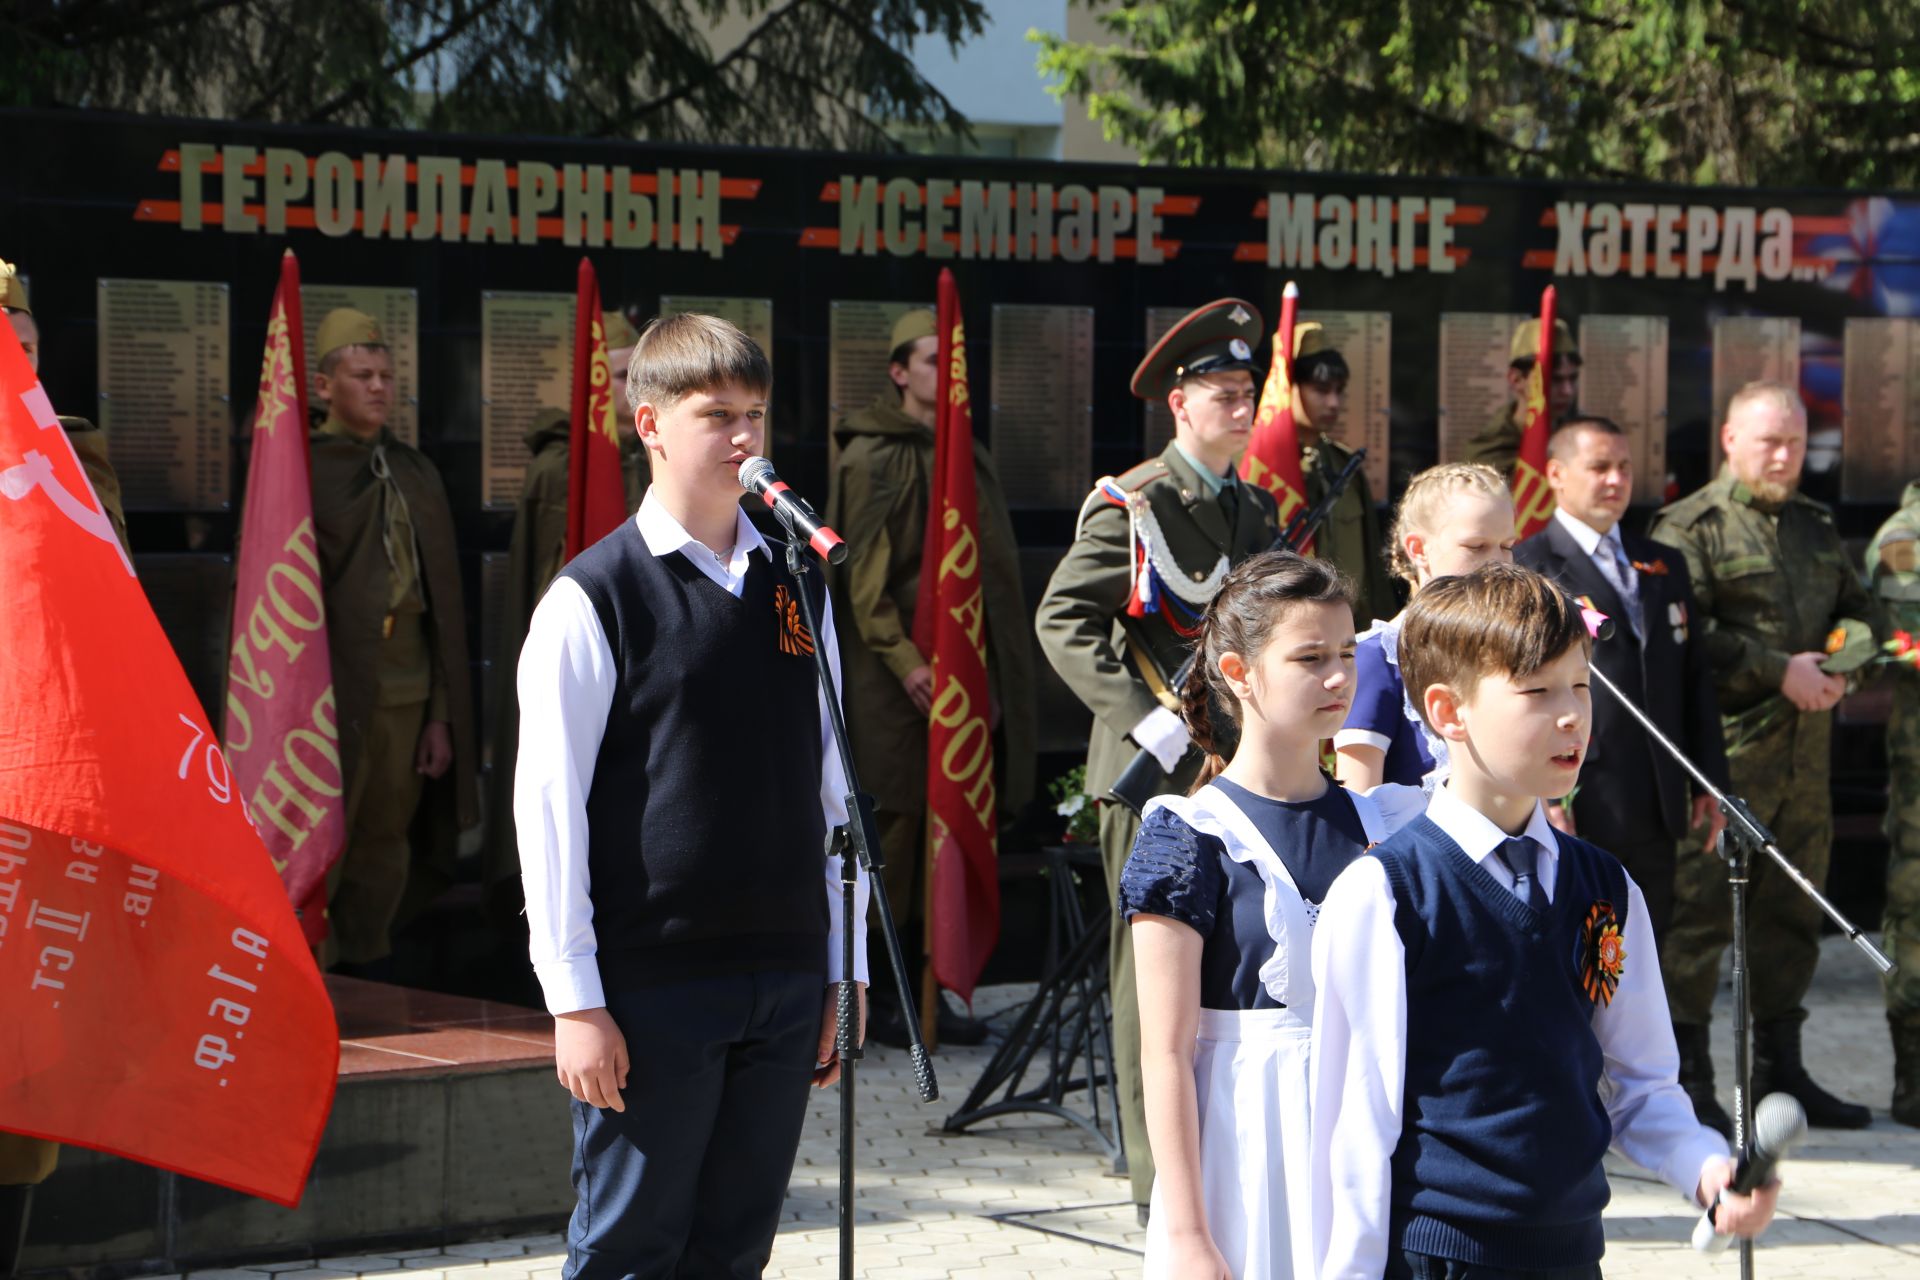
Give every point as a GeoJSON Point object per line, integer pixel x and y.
{"type": "Point", "coordinates": [596, 490]}
{"type": "Point", "coordinates": [1272, 459]}
{"type": "Point", "coordinates": [161, 1003]}
{"type": "Point", "coordinates": [281, 733]}
{"type": "Point", "coordinates": [1532, 500]}
{"type": "Point", "coordinates": [949, 626]}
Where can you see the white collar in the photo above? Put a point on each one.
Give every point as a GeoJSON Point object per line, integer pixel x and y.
{"type": "Point", "coordinates": [1583, 533]}
{"type": "Point", "coordinates": [1476, 833]}
{"type": "Point", "coordinates": [665, 535]}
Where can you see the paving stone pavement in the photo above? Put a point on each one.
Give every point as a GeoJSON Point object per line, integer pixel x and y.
{"type": "Point", "coordinates": [1030, 1196]}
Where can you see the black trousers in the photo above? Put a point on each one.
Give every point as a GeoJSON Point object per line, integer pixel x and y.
{"type": "Point", "coordinates": [689, 1180]}
{"type": "Point", "coordinates": [1402, 1265]}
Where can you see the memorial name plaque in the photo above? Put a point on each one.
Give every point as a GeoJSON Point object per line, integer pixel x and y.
{"type": "Point", "coordinates": [1880, 438]}
{"type": "Point", "coordinates": [1623, 376]}
{"type": "Point", "coordinates": [163, 378]}
{"type": "Point", "coordinates": [1042, 410]}
{"type": "Point", "coordinates": [1157, 433]}
{"type": "Point", "coordinates": [1473, 374]}
{"type": "Point", "coordinates": [398, 314]}
{"type": "Point", "coordinates": [526, 362]}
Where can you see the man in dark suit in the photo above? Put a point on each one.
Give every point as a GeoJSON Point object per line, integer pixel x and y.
{"type": "Point", "coordinates": [1632, 798]}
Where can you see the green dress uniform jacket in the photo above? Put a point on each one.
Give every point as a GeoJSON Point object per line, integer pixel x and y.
{"type": "Point", "coordinates": [376, 573]}
{"type": "Point", "coordinates": [882, 483]}
{"type": "Point", "coordinates": [1098, 650]}
{"type": "Point", "coordinates": [1350, 537]}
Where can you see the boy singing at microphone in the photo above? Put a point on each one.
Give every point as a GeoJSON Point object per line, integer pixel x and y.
{"type": "Point", "coordinates": [675, 785]}
{"type": "Point", "coordinates": [1491, 1016]}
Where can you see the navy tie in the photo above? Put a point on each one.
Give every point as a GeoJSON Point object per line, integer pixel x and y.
{"type": "Point", "coordinates": [1522, 857]}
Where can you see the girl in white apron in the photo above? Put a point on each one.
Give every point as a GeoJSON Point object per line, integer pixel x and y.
{"type": "Point", "coordinates": [1222, 889]}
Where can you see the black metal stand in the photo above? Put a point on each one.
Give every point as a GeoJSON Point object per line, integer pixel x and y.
{"type": "Point", "coordinates": [861, 834]}
{"type": "Point", "coordinates": [1069, 1019]}
{"type": "Point", "coordinates": [1744, 837]}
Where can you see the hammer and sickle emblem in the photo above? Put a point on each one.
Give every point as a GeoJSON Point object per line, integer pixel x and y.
{"type": "Point", "coordinates": [35, 471]}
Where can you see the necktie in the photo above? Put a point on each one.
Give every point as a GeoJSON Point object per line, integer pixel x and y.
{"type": "Point", "coordinates": [1230, 503]}
{"type": "Point", "coordinates": [1522, 857]}
{"type": "Point", "coordinates": [1618, 570]}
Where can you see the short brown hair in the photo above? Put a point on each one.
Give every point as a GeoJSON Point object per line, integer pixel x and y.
{"type": "Point", "coordinates": [1568, 428]}
{"type": "Point", "coordinates": [1500, 619]}
{"type": "Point", "coordinates": [1779, 394]}
{"type": "Point", "coordinates": [676, 356]}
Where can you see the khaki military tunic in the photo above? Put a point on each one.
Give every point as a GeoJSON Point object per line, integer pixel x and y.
{"type": "Point", "coordinates": [1768, 582]}
{"type": "Point", "coordinates": [1350, 538]}
{"type": "Point", "coordinates": [882, 484]}
{"type": "Point", "coordinates": [396, 626]}
{"type": "Point", "coordinates": [1497, 444]}
{"type": "Point", "coordinates": [1086, 634]}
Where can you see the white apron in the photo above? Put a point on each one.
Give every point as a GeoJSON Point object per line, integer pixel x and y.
{"type": "Point", "coordinates": [1250, 1072]}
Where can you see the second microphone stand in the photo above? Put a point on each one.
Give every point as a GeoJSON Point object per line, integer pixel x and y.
{"type": "Point", "coordinates": [861, 834]}
{"type": "Point", "coordinates": [1744, 838]}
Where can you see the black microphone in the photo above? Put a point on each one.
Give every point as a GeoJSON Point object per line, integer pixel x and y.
{"type": "Point", "coordinates": [1778, 1122]}
{"type": "Point", "coordinates": [801, 520]}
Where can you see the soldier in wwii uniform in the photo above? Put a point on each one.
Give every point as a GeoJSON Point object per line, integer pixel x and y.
{"type": "Point", "coordinates": [27, 1162]}
{"type": "Point", "coordinates": [1772, 583]}
{"type": "Point", "coordinates": [1350, 536]}
{"type": "Point", "coordinates": [882, 483]}
{"type": "Point", "coordinates": [1121, 610]}
{"type": "Point", "coordinates": [396, 629]}
{"type": "Point", "coordinates": [1893, 571]}
{"type": "Point", "coordinates": [1498, 443]}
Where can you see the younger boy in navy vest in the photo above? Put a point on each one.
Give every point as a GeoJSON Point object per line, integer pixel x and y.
{"type": "Point", "coordinates": [673, 792]}
{"type": "Point", "coordinates": [1490, 1016]}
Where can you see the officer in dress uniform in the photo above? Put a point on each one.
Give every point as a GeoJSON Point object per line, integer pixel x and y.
{"type": "Point", "coordinates": [27, 1162]}
{"type": "Point", "coordinates": [1122, 608]}
{"type": "Point", "coordinates": [396, 630]}
{"type": "Point", "coordinates": [1498, 443]}
{"type": "Point", "coordinates": [1350, 536]}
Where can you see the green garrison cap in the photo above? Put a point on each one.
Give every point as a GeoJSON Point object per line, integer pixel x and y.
{"type": "Point", "coordinates": [1526, 341]}
{"type": "Point", "coordinates": [1850, 647]}
{"type": "Point", "coordinates": [345, 327]}
{"type": "Point", "coordinates": [618, 330]}
{"type": "Point", "coordinates": [13, 290]}
{"type": "Point", "coordinates": [911, 327]}
{"type": "Point", "coordinates": [549, 416]}
{"type": "Point", "coordinates": [1315, 358]}
{"type": "Point", "coordinates": [1215, 338]}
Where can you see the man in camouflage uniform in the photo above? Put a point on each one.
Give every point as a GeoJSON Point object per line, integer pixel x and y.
{"type": "Point", "coordinates": [1498, 443]}
{"type": "Point", "coordinates": [27, 1162]}
{"type": "Point", "coordinates": [1772, 582]}
{"type": "Point", "coordinates": [1350, 536]}
{"type": "Point", "coordinates": [396, 631]}
{"type": "Point", "coordinates": [882, 483]}
{"type": "Point", "coordinates": [1117, 640]}
{"type": "Point", "coordinates": [1893, 571]}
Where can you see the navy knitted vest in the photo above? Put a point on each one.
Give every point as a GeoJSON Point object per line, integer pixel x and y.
{"type": "Point", "coordinates": [705, 841]}
{"type": "Point", "coordinates": [1503, 1129]}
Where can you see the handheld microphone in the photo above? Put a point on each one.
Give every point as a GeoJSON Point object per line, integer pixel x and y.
{"type": "Point", "coordinates": [799, 519]}
{"type": "Point", "coordinates": [1778, 1122]}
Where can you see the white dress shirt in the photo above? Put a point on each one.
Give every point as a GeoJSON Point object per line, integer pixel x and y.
{"type": "Point", "coordinates": [566, 683]}
{"type": "Point", "coordinates": [1359, 1048]}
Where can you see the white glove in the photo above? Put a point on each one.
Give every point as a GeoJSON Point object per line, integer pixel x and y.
{"type": "Point", "coordinates": [1165, 734]}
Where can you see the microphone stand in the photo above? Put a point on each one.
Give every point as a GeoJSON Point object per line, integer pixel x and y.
{"type": "Point", "coordinates": [863, 836]}
{"type": "Point", "coordinates": [1744, 837]}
